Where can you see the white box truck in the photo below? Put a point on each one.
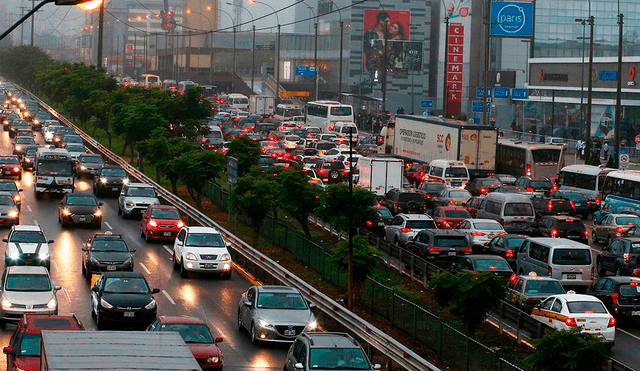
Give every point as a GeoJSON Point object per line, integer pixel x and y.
{"type": "Point", "coordinates": [380, 174]}
{"type": "Point", "coordinates": [423, 139]}
{"type": "Point", "coordinates": [261, 105]}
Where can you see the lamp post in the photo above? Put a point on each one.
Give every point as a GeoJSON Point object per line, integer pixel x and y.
{"type": "Point", "coordinates": [253, 45]}
{"type": "Point", "coordinates": [233, 72]}
{"type": "Point", "coordinates": [277, 99]}
{"type": "Point", "coordinates": [446, 64]}
{"type": "Point", "coordinates": [341, 41]}
{"type": "Point", "coordinates": [100, 34]}
{"type": "Point", "coordinates": [315, 51]}
{"type": "Point", "coordinates": [616, 136]}
{"type": "Point", "coordinates": [583, 38]}
{"type": "Point", "coordinates": [591, 21]}
{"type": "Point", "coordinates": [190, 11]}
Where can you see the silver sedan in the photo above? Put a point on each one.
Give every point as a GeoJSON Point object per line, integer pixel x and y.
{"type": "Point", "coordinates": [480, 231]}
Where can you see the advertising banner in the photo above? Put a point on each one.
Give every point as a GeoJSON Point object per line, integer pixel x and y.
{"type": "Point", "coordinates": [403, 56]}
{"type": "Point", "coordinates": [511, 19]}
{"type": "Point", "coordinates": [392, 25]}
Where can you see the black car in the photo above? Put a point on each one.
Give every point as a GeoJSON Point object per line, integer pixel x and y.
{"type": "Point", "coordinates": [553, 206]}
{"type": "Point", "coordinates": [621, 295]}
{"type": "Point", "coordinates": [534, 185]}
{"type": "Point", "coordinates": [59, 133]}
{"type": "Point", "coordinates": [28, 156]}
{"type": "Point", "coordinates": [80, 208]}
{"type": "Point", "coordinates": [562, 226]}
{"type": "Point", "coordinates": [404, 201]}
{"type": "Point", "coordinates": [506, 246]}
{"type": "Point", "coordinates": [7, 185]}
{"type": "Point", "coordinates": [482, 186]}
{"type": "Point", "coordinates": [10, 166]}
{"type": "Point", "coordinates": [439, 244]}
{"type": "Point", "coordinates": [429, 190]}
{"type": "Point", "coordinates": [383, 217]}
{"type": "Point", "coordinates": [123, 298]}
{"type": "Point", "coordinates": [17, 125]}
{"type": "Point", "coordinates": [620, 256]}
{"type": "Point", "coordinates": [105, 252]}
{"type": "Point", "coordinates": [581, 202]}
{"type": "Point", "coordinates": [109, 179]}
{"type": "Point", "coordinates": [484, 263]}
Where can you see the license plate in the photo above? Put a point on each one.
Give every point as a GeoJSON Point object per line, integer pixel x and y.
{"type": "Point", "coordinates": [456, 184]}
{"type": "Point", "coordinates": [166, 234]}
{"type": "Point", "coordinates": [289, 332]}
{"type": "Point", "coordinates": [635, 313]}
{"type": "Point", "coordinates": [129, 314]}
{"type": "Point", "coordinates": [82, 219]}
{"type": "Point", "coordinates": [571, 276]}
{"type": "Point", "coordinates": [114, 188]}
{"type": "Point", "coordinates": [29, 312]}
{"type": "Point", "coordinates": [452, 253]}
{"type": "Point", "coordinates": [111, 267]}
{"type": "Point", "coordinates": [209, 266]}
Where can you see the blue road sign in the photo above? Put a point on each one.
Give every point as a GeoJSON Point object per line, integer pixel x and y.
{"type": "Point", "coordinates": [501, 93]}
{"type": "Point", "coordinates": [476, 106]}
{"type": "Point", "coordinates": [305, 71]}
{"type": "Point", "coordinates": [480, 92]}
{"type": "Point", "coordinates": [511, 19]}
{"type": "Point", "coordinates": [426, 103]}
{"type": "Point", "coordinates": [520, 93]}
{"type": "Point", "coordinates": [232, 170]}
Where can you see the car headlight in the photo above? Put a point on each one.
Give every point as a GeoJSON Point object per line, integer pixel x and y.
{"type": "Point", "coordinates": [129, 261]}
{"type": "Point", "coordinates": [52, 304]}
{"type": "Point", "coordinates": [225, 257]}
{"type": "Point", "coordinates": [14, 255]}
{"type": "Point", "coordinates": [43, 255]}
{"type": "Point", "coordinates": [6, 303]}
{"type": "Point", "coordinates": [18, 148]}
{"type": "Point", "coordinates": [17, 198]}
{"type": "Point", "coordinates": [130, 204]}
{"type": "Point", "coordinates": [36, 122]}
{"type": "Point", "coordinates": [151, 305]}
{"type": "Point", "coordinates": [83, 167]}
{"type": "Point", "coordinates": [13, 214]}
{"type": "Point", "coordinates": [97, 213]}
{"type": "Point", "coordinates": [103, 180]}
{"type": "Point", "coordinates": [213, 359]}
{"type": "Point", "coordinates": [27, 159]}
{"type": "Point", "coordinates": [105, 304]}
{"type": "Point", "coordinates": [125, 181]}
{"type": "Point", "coordinates": [93, 260]}
{"type": "Point", "coordinates": [153, 223]}
{"type": "Point", "coordinates": [66, 212]}
{"type": "Point", "coordinates": [16, 169]}
{"type": "Point", "coordinates": [180, 224]}
{"type": "Point", "coordinates": [264, 323]}
{"type": "Point", "coordinates": [191, 256]}
{"type": "Point", "coordinates": [312, 325]}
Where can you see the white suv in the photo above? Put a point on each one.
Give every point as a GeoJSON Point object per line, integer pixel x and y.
{"type": "Point", "coordinates": [27, 245]}
{"type": "Point", "coordinates": [135, 198]}
{"type": "Point", "coordinates": [201, 249]}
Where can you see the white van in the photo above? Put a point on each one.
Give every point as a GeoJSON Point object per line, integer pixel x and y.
{"type": "Point", "coordinates": [238, 101]}
{"type": "Point", "coordinates": [514, 211]}
{"type": "Point", "coordinates": [343, 129]}
{"type": "Point", "coordinates": [450, 172]}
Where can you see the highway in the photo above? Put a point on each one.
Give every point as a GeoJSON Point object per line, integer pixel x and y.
{"type": "Point", "coordinates": [210, 298]}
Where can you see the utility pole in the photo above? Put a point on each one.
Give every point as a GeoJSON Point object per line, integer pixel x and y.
{"type": "Point", "coordinates": [589, 88]}
{"type": "Point", "coordinates": [22, 10]}
{"type": "Point", "coordinates": [253, 56]}
{"type": "Point", "coordinates": [117, 50]}
{"type": "Point", "coordinates": [616, 137]}
{"type": "Point", "coordinates": [100, 34]}
{"type": "Point", "coordinates": [487, 62]}
{"type": "Point", "coordinates": [33, 19]}
{"type": "Point", "coordinates": [341, 52]}
{"type": "Point", "coordinates": [384, 67]}
{"type": "Point", "coordinates": [278, 67]}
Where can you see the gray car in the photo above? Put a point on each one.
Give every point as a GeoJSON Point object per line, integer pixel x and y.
{"type": "Point", "coordinates": [323, 351]}
{"type": "Point", "coordinates": [27, 289]}
{"type": "Point", "coordinates": [274, 314]}
{"type": "Point", "coordinates": [9, 211]}
{"type": "Point", "coordinates": [89, 164]}
{"type": "Point", "coordinates": [135, 198]}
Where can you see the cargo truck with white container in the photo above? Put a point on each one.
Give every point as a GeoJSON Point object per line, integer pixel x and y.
{"type": "Point", "coordinates": [380, 174]}
{"type": "Point", "coordinates": [423, 139]}
{"type": "Point", "coordinates": [262, 105]}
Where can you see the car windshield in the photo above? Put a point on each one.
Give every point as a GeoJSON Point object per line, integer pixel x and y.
{"type": "Point", "coordinates": [541, 156]}
{"type": "Point", "coordinates": [91, 159]}
{"type": "Point", "coordinates": [8, 186]}
{"type": "Point", "coordinates": [458, 214]}
{"type": "Point", "coordinates": [384, 212]}
{"type": "Point", "coordinates": [514, 242]}
{"type": "Point", "coordinates": [489, 182]}
{"type": "Point", "coordinates": [408, 197]}
{"type": "Point", "coordinates": [338, 359]}
{"type": "Point", "coordinates": [6, 200]}
{"type": "Point", "coordinates": [450, 241]}
{"type": "Point", "coordinates": [456, 172]}
{"type": "Point", "coordinates": [204, 240]}
{"type": "Point", "coordinates": [491, 264]}
{"type": "Point", "coordinates": [488, 226]}
{"type": "Point", "coordinates": [54, 168]}
{"type": "Point", "coordinates": [165, 214]}
{"type": "Point", "coordinates": [190, 332]}
{"type": "Point", "coordinates": [28, 237]}
{"type": "Point", "coordinates": [109, 245]}
{"type": "Point", "coordinates": [113, 172]}
{"type": "Point", "coordinates": [28, 282]}
{"type": "Point", "coordinates": [518, 209]}
{"type": "Point", "coordinates": [543, 287]}
{"type": "Point", "coordinates": [81, 200]}
{"type": "Point", "coordinates": [459, 194]}
{"type": "Point", "coordinates": [540, 185]}
{"type": "Point", "coordinates": [75, 148]}
{"type": "Point", "coordinates": [630, 289]}
{"type": "Point", "coordinates": [627, 220]}
{"type": "Point", "coordinates": [571, 257]}
{"type": "Point", "coordinates": [586, 307]}
{"type": "Point", "coordinates": [141, 192]}
{"type": "Point", "coordinates": [25, 141]}
{"type": "Point", "coordinates": [341, 111]}
{"type": "Point", "coordinates": [29, 346]}
{"type": "Point", "coordinates": [281, 300]}
{"type": "Point", "coordinates": [325, 146]}
{"type": "Point", "coordinates": [126, 285]}
{"type": "Point", "coordinates": [420, 224]}
{"type": "Point", "coordinates": [9, 160]}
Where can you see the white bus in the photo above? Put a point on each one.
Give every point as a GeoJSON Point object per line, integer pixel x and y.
{"type": "Point", "coordinates": [285, 112]}
{"type": "Point", "coordinates": [586, 179]}
{"type": "Point", "coordinates": [325, 113]}
{"type": "Point", "coordinates": [149, 81]}
{"type": "Point", "coordinates": [53, 171]}
{"type": "Point", "coordinates": [237, 101]}
{"type": "Point", "coordinates": [535, 160]}
{"type": "Point", "coordinates": [620, 192]}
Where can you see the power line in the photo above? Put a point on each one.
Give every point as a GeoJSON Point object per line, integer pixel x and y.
{"type": "Point", "coordinates": [54, 30]}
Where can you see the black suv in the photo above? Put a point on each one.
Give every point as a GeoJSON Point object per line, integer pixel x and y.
{"type": "Point", "coordinates": [482, 186]}
{"type": "Point", "coordinates": [534, 185]}
{"type": "Point", "coordinates": [323, 351]}
{"type": "Point", "coordinates": [333, 171]}
{"type": "Point", "coordinates": [404, 201]}
{"type": "Point", "coordinates": [439, 244]}
{"type": "Point", "coordinates": [553, 206]}
{"type": "Point", "coordinates": [109, 179]}
{"type": "Point", "coordinates": [106, 252]}
{"type": "Point", "coordinates": [562, 226]}
{"type": "Point", "coordinates": [621, 256]}
{"type": "Point", "coordinates": [429, 190]}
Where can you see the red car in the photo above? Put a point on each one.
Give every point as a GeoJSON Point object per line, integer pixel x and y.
{"type": "Point", "coordinates": [448, 217]}
{"type": "Point", "coordinates": [415, 173]}
{"type": "Point", "coordinates": [23, 352]}
{"type": "Point", "coordinates": [161, 222]}
{"type": "Point", "coordinates": [196, 334]}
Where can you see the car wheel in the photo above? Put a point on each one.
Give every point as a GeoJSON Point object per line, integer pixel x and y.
{"type": "Point", "coordinates": [147, 238]}
{"type": "Point", "coordinates": [20, 177]}
{"type": "Point", "coordinates": [183, 271]}
{"type": "Point", "coordinates": [119, 210]}
{"type": "Point", "coordinates": [99, 321]}
{"type": "Point", "coordinates": [594, 238]}
{"type": "Point", "coordinates": [175, 262]}
{"type": "Point", "coordinates": [227, 275]}
{"type": "Point", "coordinates": [600, 268]}
{"type": "Point", "coordinates": [254, 337]}
{"type": "Point", "coordinates": [618, 270]}
{"type": "Point", "coordinates": [240, 326]}
{"type": "Point", "coordinates": [334, 175]}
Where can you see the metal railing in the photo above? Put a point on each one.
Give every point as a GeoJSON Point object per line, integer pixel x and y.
{"type": "Point", "coordinates": [262, 264]}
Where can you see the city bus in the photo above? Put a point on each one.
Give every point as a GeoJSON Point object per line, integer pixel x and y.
{"type": "Point", "coordinates": [325, 113]}
{"type": "Point", "coordinates": [586, 179]}
{"type": "Point", "coordinates": [53, 171]}
{"type": "Point", "coordinates": [285, 112]}
{"type": "Point", "coordinates": [621, 192]}
{"type": "Point", "coordinates": [148, 80]}
{"type": "Point", "coordinates": [535, 160]}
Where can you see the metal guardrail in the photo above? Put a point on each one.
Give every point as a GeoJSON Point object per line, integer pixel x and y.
{"type": "Point", "coordinates": [397, 352]}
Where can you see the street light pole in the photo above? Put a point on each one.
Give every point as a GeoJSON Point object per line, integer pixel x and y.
{"type": "Point", "coordinates": [616, 136]}
{"type": "Point", "coordinates": [233, 70]}
{"type": "Point", "coordinates": [100, 34]}
{"type": "Point", "coordinates": [583, 38]}
{"type": "Point", "coordinates": [315, 51]}
{"type": "Point", "coordinates": [253, 45]}
{"type": "Point", "coordinates": [487, 62]}
{"type": "Point", "coordinates": [277, 98]}
{"type": "Point", "coordinates": [589, 86]}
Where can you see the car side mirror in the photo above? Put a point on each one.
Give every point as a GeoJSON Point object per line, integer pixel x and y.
{"type": "Point", "coordinates": [20, 190]}
{"type": "Point", "coordinates": [218, 339]}
{"type": "Point", "coordinates": [50, 241]}
{"type": "Point", "coordinates": [377, 366]}
{"type": "Point", "coordinates": [298, 366]}
{"type": "Point", "coordinates": [8, 350]}
{"type": "Point", "coordinates": [227, 244]}
{"type": "Point", "coordinates": [85, 249]}
{"type": "Point", "coordinates": [178, 242]}
{"type": "Point", "coordinates": [5, 240]}
{"type": "Point", "coordinates": [247, 303]}
{"type": "Point", "coordinates": [155, 291]}
{"type": "Point", "coordinates": [95, 289]}
{"type": "Point", "coordinates": [133, 250]}
{"type": "Point", "coordinates": [100, 204]}
{"type": "Point", "coordinates": [57, 288]}
{"type": "Point", "coordinates": [312, 305]}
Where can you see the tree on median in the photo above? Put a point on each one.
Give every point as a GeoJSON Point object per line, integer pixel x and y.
{"type": "Point", "coordinates": [569, 350]}
{"type": "Point", "coordinates": [136, 122]}
{"type": "Point", "coordinates": [334, 206]}
{"type": "Point", "coordinates": [246, 151]}
{"type": "Point", "coordinates": [198, 169]}
{"type": "Point", "coordinates": [298, 197]}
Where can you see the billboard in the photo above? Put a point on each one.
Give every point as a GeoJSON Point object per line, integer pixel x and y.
{"type": "Point", "coordinates": [402, 56]}
{"type": "Point", "coordinates": [511, 19]}
{"type": "Point", "coordinates": [392, 25]}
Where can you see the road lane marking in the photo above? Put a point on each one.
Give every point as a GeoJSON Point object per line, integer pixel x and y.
{"type": "Point", "coordinates": [35, 222]}
{"type": "Point", "coordinates": [145, 268]}
{"type": "Point", "coordinates": [627, 333]}
{"type": "Point", "coordinates": [108, 225]}
{"type": "Point", "coordinates": [168, 249]}
{"type": "Point", "coordinates": [168, 297]}
{"type": "Point", "coordinates": [55, 265]}
{"type": "Point", "coordinates": [66, 294]}
{"type": "Point", "coordinates": [29, 208]}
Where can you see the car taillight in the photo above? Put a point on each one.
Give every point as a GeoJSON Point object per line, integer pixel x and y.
{"type": "Point", "coordinates": [483, 190]}
{"type": "Point", "coordinates": [509, 253]}
{"type": "Point", "coordinates": [612, 322]}
{"type": "Point", "coordinates": [588, 203]}
{"type": "Point", "coordinates": [614, 298]}
{"type": "Point", "coordinates": [572, 205]}
{"type": "Point", "coordinates": [477, 234]}
{"type": "Point", "coordinates": [369, 223]}
{"type": "Point", "coordinates": [451, 202]}
{"type": "Point", "coordinates": [405, 230]}
{"type": "Point", "coordinates": [549, 271]}
{"type": "Point", "coordinates": [550, 205]}
{"type": "Point", "coordinates": [502, 233]}
{"type": "Point", "coordinates": [554, 233]}
{"type": "Point", "coordinates": [598, 200]}
{"type": "Point", "coordinates": [619, 229]}
{"type": "Point", "coordinates": [554, 188]}
{"type": "Point", "coordinates": [571, 322]}
{"type": "Point", "coordinates": [513, 277]}
{"type": "Point", "coordinates": [586, 232]}
{"type": "Point", "coordinates": [529, 189]}
{"type": "Point", "coordinates": [528, 170]}
{"type": "Point", "coordinates": [434, 249]}
{"type": "Point", "coordinates": [467, 250]}
{"type": "Point", "coordinates": [626, 257]}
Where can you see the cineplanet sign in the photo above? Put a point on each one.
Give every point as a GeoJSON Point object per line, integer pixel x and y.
{"type": "Point", "coordinates": [512, 19]}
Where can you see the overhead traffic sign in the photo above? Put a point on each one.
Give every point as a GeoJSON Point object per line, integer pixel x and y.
{"type": "Point", "coordinates": [426, 103]}
{"type": "Point", "coordinates": [501, 93]}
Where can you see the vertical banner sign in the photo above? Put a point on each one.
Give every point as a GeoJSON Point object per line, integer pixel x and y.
{"type": "Point", "coordinates": [455, 66]}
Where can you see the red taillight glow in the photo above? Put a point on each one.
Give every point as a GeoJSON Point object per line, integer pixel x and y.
{"type": "Point", "coordinates": [554, 233]}
{"type": "Point", "coordinates": [572, 205]}
{"type": "Point", "coordinates": [571, 322]}
{"type": "Point", "coordinates": [619, 229]}
{"type": "Point", "coordinates": [451, 202]}
{"type": "Point", "coordinates": [633, 284]}
{"type": "Point", "coordinates": [405, 230]}
{"type": "Point", "coordinates": [550, 205]}
{"type": "Point", "coordinates": [477, 234]}
{"type": "Point", "coordinates": [586, 232]}
{"type": "Point", "coordinates": [369, 223]}
{"type": "Point", "coordinates": [612, 322]}
{"type": "Point", "coordinates": [626, 257]}
{"type": "Point", "coordinates": [434, 249]}
{"type": "Point", "coordinates": [529, 189]}
{"type": "Point", "coordinates": [509, 253]}
{"type": "Point", "coordinates": [483, 190]}
{"type": "Point", "coordinates": [528, 170]}
{"type": "Point", "coordinates": [513, 277]}
{"type": "Point", "coordinates": [467, 250]}
{"type": "Point", "coordinates": [549, 271]}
